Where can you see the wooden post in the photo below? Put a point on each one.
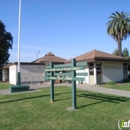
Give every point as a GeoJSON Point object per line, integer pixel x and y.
{"type": "Point", "coordinates": [51, 83]}
{"type": "Point", "coordinates": [73, 85]}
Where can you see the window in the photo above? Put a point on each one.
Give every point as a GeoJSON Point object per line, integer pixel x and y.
{"type": "Point", "coordinates": [98, 68]}
{"type": "Point", "coordinates": [91, 68]}
{"type": "Point", "coordinates": [125, 68]}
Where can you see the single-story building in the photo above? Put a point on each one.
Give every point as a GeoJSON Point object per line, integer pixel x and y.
{"type": "Point", "coordinates": [103, 67]}
{"type": "Point", "coordinates": [50, 57]}
{"type": "Point", "coordinates": [32, 72]}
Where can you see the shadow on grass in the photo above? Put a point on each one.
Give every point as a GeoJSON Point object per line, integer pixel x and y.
{"type": "Point", "coordinates": [102, 98]}
{"type": "Point", "coordinates": [26, 98]}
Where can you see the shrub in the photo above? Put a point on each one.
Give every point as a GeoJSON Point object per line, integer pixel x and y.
{"type": "Point", "coordinates": [126, 80]}
{"type": "Point", "coordinates": [111, 83]}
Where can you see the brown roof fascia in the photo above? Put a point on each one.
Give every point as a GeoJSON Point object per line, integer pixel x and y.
{"type": "Point", "coordinates": [90, 60]}
{"type": "Point", "coordinates": [28, 63]}
{"type": "Point", "coordinates": [111, 59]}
{"type": "Point", "coordinates": [101, 59]}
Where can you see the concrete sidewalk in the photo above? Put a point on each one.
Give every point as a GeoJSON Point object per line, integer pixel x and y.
{"type": "Point", "coordinates": [95, 88]}
{"type": "Point", "coordinates": [99, 89]}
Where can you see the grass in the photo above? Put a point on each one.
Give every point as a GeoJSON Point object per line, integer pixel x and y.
{"type": "Point", "coordinates": [123, 86]}
{"type": "Point", "coordinates": [111, 83]}
{"type": "Point", "coordinates": [4, 85]}
{"type": "Point", "coordinates": [33, 111]}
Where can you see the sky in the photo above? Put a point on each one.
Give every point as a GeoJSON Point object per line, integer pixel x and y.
{"type": "Point", "coordinates": [67, 28]}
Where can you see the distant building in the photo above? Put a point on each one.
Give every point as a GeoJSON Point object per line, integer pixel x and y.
{"type": "Point", "coordinates": [103, 67]}
{"type": "Point", "coordinates": [31, 72]}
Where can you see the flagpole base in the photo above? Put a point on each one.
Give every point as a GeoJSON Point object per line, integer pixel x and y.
{"type": "Point", "coordinates": [18, 79]}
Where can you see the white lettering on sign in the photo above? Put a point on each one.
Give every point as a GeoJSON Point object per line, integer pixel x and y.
{"type": "Point", "coordinates": [61, 78]}
{"type": "Point", "coordinates": [62, 69]}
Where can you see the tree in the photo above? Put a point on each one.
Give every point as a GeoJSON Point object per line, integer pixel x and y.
{"type": "Point", "coordinates": [116, 52]}
{"type": "Point", "coordinates": [125, 52]}
{"type": "Point", "coordinates": [119, 28]}
{"type": "Point", "coordinates": [6, 41]}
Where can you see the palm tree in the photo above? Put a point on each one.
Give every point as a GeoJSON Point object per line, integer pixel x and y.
{"type": "Point", "coordinates": [119, 28]}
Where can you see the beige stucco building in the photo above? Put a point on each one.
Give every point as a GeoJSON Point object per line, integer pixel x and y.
{"type": "Point", "coordinates": [103, 67]}
{"type": "Point", "coordinates": [31, 72]}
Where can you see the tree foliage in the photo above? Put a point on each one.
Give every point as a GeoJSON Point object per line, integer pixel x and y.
{"type": "Point", "coordinates": [125, 53]}
{"type": "Point", "coordinates": [116, 52]}
{"type": "Point", "coordinates": [119, 28]}
{"type": "Point", "coordinates": [6, 41]}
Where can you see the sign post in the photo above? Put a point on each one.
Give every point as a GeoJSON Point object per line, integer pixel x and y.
{"type": "Point", "coordinates": [53, 73]}
{"type": "Point", "coordinates": [52, 83]}
{"type": "Point", "coordinates": [73, 86]}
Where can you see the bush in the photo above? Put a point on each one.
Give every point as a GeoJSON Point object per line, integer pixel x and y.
{"type": "Point", "coordinates": [126, 80]}
{"type": "Point", "coordinates": [111, 83]}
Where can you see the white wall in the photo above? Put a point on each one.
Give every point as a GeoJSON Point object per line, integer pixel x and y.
{"type": "Point", "coordinates": [12, 74]}
{"type": "Point", "coordinates": [112, 71]}
{"type": "Point", "coordinates": [95, 74]}
{"type": "Point", "coordinates": [31, 73]}
{"type": "Point", "coordinates": [3, 74]}
{"type": "Point", "coordinates": [86, 79]}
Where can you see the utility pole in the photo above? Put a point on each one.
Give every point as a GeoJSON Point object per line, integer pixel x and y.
{"type": "Point", "coordinates": [37, 54]}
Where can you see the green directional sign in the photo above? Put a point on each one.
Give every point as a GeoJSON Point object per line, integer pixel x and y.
{"type": "Point", "coordinates": [78, 64]}
{"type": "Point", "coordinates": [64, 78]}
{"type": "Point", "coordinates": [65, 69]}
{"type": "Point", "coordinates": [68, 74]}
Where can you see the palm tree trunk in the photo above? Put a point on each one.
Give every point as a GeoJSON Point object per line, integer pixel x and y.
{"type": "Point", "coordinates": [120, 47]}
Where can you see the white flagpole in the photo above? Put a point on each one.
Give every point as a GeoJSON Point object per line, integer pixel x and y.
{"type": "Point", "coordinates": [19, 29]}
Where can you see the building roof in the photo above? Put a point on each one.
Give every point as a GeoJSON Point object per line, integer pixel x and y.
{"type": "Point", "coordinates": [50, 57]}
{"type": "Point", "coordinates": [98, 55]}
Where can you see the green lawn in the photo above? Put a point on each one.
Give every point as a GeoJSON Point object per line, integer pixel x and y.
{"type": "Point", "coordinates": [4, 85]}
{"type": "Point", "coordinates": [123, 86]}
{"type": "Point", "coordinates": [33, 111]}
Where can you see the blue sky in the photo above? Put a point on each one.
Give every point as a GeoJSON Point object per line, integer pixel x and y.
{"type": "Point", "coordinates": [66, 28]}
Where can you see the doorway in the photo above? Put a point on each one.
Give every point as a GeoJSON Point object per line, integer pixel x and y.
{"type": "Point", "coordinates": [91, 73]}
{"type": "Point", "coordinates": [99, 72]}
{"type": "Point", "coordinates": [125, 70]}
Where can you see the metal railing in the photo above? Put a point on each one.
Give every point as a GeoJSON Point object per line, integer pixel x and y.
{"type": "Point", "coordinates": [33, 81]}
